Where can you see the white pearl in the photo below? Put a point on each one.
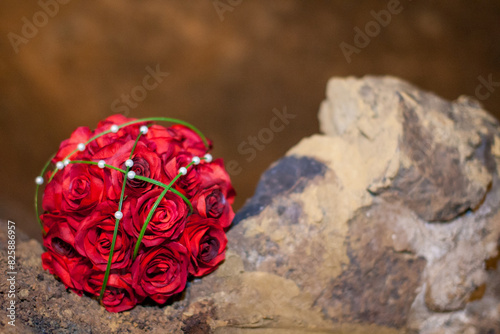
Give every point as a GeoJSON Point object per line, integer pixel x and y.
{"type": "Point", "coordinates": [183, 170]}
{"type": "Point", "coordinates": [129, 163]}
{"type": "Point", "coordinates": [101, 164]}
{"type": "Point", "coordinates": [60, 165]}
{"type": "Point", "coordinates": [196, 160]}
{"type": "Point", "coordinates": [39, 180]}
{"type": "Point", "coordinates": [81, 147]}
{"type": "Point", "coordinates": [66, 162]}
{"type": "Point", "coordinates": [144, 129]}
{"type": "Point", "coordinates": [131, 174]}
{"type": "Point", "coordinates": [114, 128]}
{"type": "Point", "coordinates": [118, 215]}
{"type": "Point", "coordinates": [208, 157]}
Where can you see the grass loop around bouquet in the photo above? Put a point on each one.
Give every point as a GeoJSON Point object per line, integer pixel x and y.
{"type": "Point", "coordinates": [153, 209]}
{"type": "Point", "coordinates": [125, 172]}
{"type": "Point", "coordinates": [44, 169]}
{"type": "Point", "coordinates": [142, 120]}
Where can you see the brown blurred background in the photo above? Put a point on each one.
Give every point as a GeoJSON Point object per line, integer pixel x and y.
{"type": "Point", "coordinates": [230, 63]}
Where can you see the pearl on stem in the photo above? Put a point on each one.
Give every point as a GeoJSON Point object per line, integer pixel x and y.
{"type": "Point", "coordinates": [208, 157]}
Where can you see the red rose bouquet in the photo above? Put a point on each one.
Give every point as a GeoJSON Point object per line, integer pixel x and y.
{"type": "Point", "coordinates": [132, 210]}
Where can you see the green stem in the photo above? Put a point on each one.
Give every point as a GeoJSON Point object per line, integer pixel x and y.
{"type": "Point", "coordinates": [145, 225]}
{"type": "Point", "coordinates": [150, 215]}
{"type": "Point", "coordinates": [117, 222]}
{"type": "Point", "coordinates": [184, 198]}
{"type": "Point", "coordinates": [44, 169]}
{"type": "Point", "coordinates": [147, 179]}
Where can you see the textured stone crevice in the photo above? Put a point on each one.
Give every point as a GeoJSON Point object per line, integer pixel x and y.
{"type": "Point", "coordinates": [290, 174]}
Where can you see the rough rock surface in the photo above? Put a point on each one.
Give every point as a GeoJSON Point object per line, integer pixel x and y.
{"type": "Point", "coordinates": [388, 222]}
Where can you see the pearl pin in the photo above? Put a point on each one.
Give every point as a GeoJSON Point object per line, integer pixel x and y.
{"type": "Point", "coordinates": [60, 165]}
{"type": "Point", "coordinates": [131, 174]}
{"type": "Point", "coordinates": [101, 164]}
{"type": "Point", "coordinates": [39, 180]}
{"type": "Point", "coordinates": [208, 157]}
{"type": "Point", "coordinates": [183, 170]}
{"type": "Point", "coordinates": [81, 147]}
{"type": "Point", "coordinates": [114, 128]}
{"type": "Point", "coordinates": [118, 215]}
{"type": "Point", "coordinates": [129, 163]}
{"type": "Point", "coordinates": [196, 160]}
{"type": "Point", "coordinates": [144, 129]}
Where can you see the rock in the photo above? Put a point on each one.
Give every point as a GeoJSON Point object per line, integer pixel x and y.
{"type": "Point", "coordinates": [388, 222]}
{"type": "Point", "coordinates": [440, 163]}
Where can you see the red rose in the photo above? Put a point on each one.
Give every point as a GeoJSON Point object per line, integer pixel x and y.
{"type": "Point", "coordinates": [146, 163]}
{"type": "Point", "coordinates": [185, 183]}
{"type": "Point", "coordinates": [62, 259]}
{"type": "Point", "coordinates": [215, 174]}
{"type": "Point", "coordinates": [206, 243]}
{"type": "Point", "coordinates": [60, 239]}
{"type": "Point", "coordinates": [161, 272]}
{"type": "Point", "coordinates": [190, 140]}
{"type": "Point", "coordinates": [77, 189]}
{"type": "Point", "coordinates": [80, 135]}
{"type": "Point", "coordinates": [68, 271]}
{"type": "Point", "coordinates": [200, 176]}
{"type": "Point", "coordinates": [123, 135]}
{"type": "Point", "coordinates": [56, 218]}
{"type": "Point", "coordinates": [119, 295]}
{"type": "Point", "coordinates": [117, 119]}
{"type": "Point", "coordinates": [167, 222]}
{"type": "Point", "coordinates": [212, 203]}
{"type": "Point", "coordinates": [165, 144]}
{"type": "Point", "coordinates": [52, 195]}
{"type": "Point", "coordinates": [95, 235]}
